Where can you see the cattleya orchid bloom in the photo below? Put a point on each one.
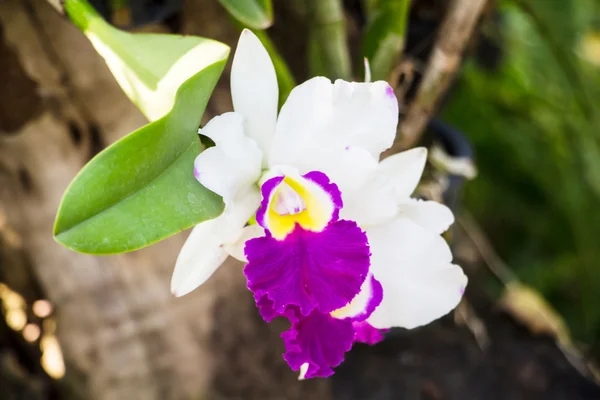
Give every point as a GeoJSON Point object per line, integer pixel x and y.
{"type": "Point", "coordinates": [339, 247]}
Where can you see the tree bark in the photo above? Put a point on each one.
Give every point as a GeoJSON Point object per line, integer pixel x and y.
{"type": "Point", "coordinates": [443, 64]}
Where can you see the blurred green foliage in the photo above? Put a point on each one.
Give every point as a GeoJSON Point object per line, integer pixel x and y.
{"type": "Point", "coordinates": [257, 14]}
{"type": "Point", "coordinates": [534, 121]}
{"type": "Point", "coordinates": [385, 35]}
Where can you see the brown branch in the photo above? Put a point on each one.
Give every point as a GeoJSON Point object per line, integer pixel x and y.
{"type": "Point", "coordinates": [460, 21]}
{"type": "Point", "coordinates": [485, 249]}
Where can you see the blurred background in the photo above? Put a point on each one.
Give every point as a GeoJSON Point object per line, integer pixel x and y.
{"type": "Point", "coordinates": [514, 136]}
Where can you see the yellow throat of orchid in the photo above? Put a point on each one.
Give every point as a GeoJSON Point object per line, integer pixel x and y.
{"type": "Point", "coordinates": [297, 201]}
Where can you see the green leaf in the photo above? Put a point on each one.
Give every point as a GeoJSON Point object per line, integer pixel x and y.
{"type": "Point", "coordinates": [142, 189]}
{"type": "Point", "coordinates": [257, 14]}
{"type": "Point", "coordinates": [384, 40]}
{"type": "Point", "coordinates": [148, 67]}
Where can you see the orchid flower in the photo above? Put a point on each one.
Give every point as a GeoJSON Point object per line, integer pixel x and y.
{"type": "Point", "coordinates": [339, 247]}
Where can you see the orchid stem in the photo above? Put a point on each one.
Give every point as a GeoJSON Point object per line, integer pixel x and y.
{"type": "Point", "coordinates": [369, 6]}
{"type": "Point", "coordinates": [391, 17]}
{"type": "Point", "coordinates": [81, 13]}
{"type": "Point", "coordinates": [328, 35]}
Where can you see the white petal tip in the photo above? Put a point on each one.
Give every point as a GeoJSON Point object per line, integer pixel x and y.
{"type": "Point", "coordinates": [419, 155]}
{"type": "Point", "coordinates": [420, 152]}
{"type": "Point", "coordinates": [247, 34]}
{"type": "Point", "coordinates": [367, 70]}
{"type": "Point", "coordinates": [180, 290]}
{"type": "Point", "coordinates": [303, 370]}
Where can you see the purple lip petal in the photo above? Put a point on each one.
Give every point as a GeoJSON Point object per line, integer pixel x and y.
{"type": "Point", "coordinates": [305, 275]}
{"type": "Point", "coordinates": [265, 308]}
{"type": "Point", "coordinates": [318, 340]}
{"type": "Point", "coordinates": [365, 333]}
{"type": "Point", "coordinates": [322, 270]}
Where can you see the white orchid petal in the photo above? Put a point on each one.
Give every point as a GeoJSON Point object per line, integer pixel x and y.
{"type": "Point", "coordinates": [321, 118]}
{"type": "Point", "coordinates": [418, 301]}
{"type": "Point", "coordinates": [349, 168]}
{"type": "Point", "coordinates": [365, 114]}
{"type": "Point", "coordinates": [387, 189]}
{"type": "Point", "coordinates": [199, 258]}
{"type": "Point", "coordinates": [254, 89]}
{"type": "Point", "coordinates": [370, 205]}
{"type": "Point", "coordinates": [420, 284]}
{"type": "Point", "coordinates": [234, 163]}
{"type": "Point", "coordinates": [401, 240]}
{"type": "Point", "coordinates": [236, 249]}
{"type": "Point", "coordinates": [431, 215]}
{"type": "Point", "coordinates": [332, 128]}
{"type": "Point", "coordinates": [403, 171]}
{"type": "Point", "coordinates": [203, 251]}
{"type": "Point", "coordinates": [305, 114]}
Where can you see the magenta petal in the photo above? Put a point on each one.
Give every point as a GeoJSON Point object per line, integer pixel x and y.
{"type": "Point", "coordinates": [318, 340]}
{"type": "Point", "coordinates": [311, 270]}
{"type": "Point", "coordinates": [365, 333]}
{"type": "Point", "coordinates": [265, 308]}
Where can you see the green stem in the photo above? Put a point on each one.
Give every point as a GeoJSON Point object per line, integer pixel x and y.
{"type": "Point", "coordinates": [369, 7]}
{"type": "Point", "coordinates": [385, 37]}
{"type": "Point", "coordinates": [81, 13]}
{"type": "Point", "coordinates": [328, 33]}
